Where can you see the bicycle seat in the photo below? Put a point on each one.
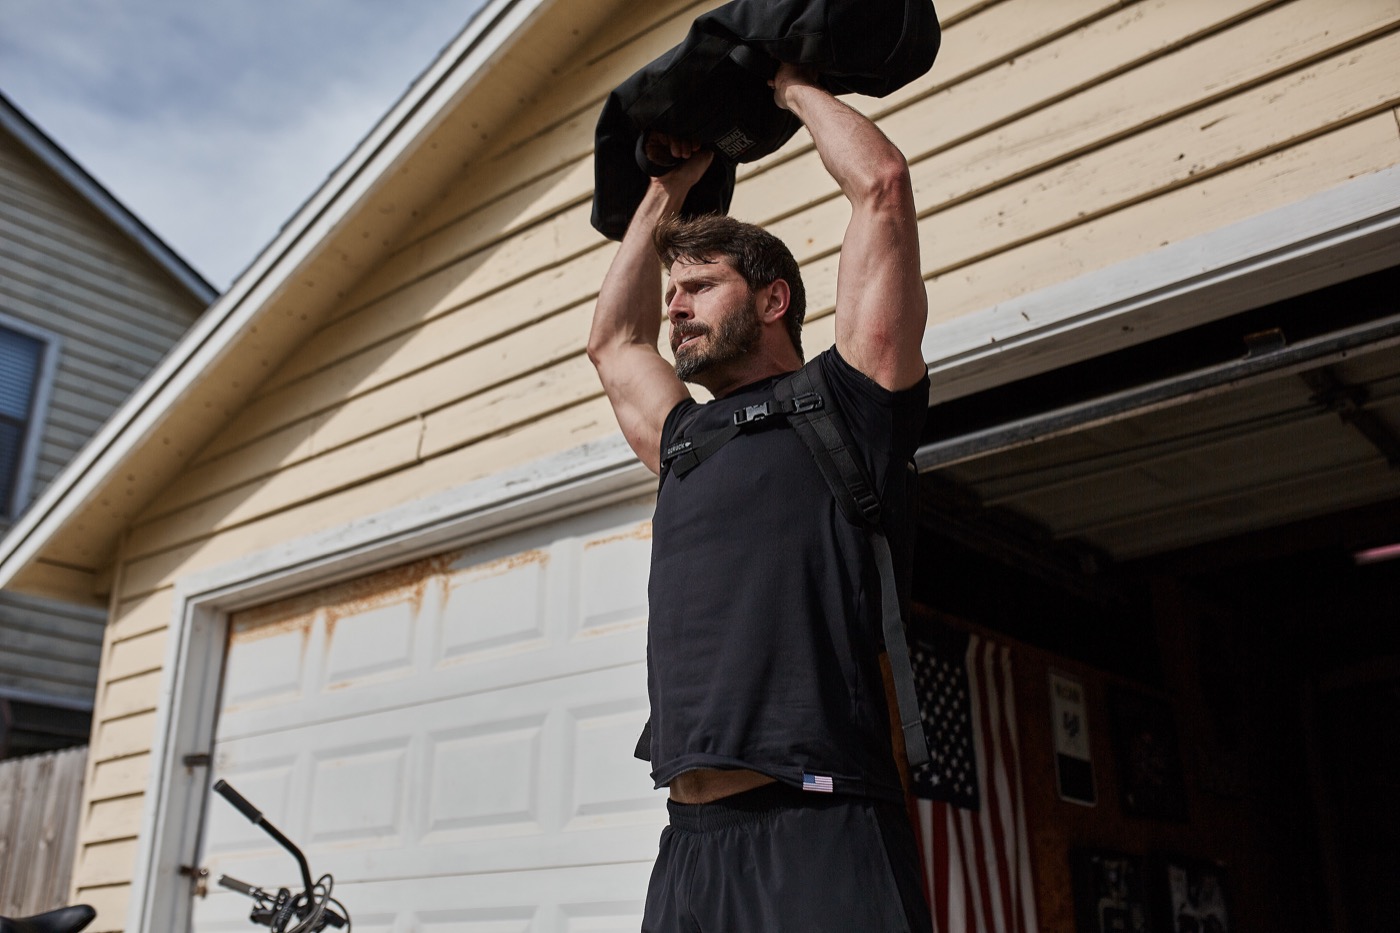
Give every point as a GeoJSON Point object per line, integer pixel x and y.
{"type": "Point", "coordinates": [64, 920]}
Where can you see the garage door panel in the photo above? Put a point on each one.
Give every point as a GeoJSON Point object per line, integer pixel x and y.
{"type": "Point", "coordinates": [532, 775]}
{"type": "Point", "coordinates": [577, 604]}
{"type": "Point", "coordinates": [372, 645]}
{"type": "Point", "coordinates": [266, 781]}
{"type": "Point", "coordinates": [586, 899]}
{"type": "Point", "coordinates": [501, 856]}
{"type": "Point", "coordinates": [1307, 497]}
{"type": "Point", "coordinates": [1198, 482]}
{"type": "Point", "coordinates": [1227, 468]}
{"type": "Point", "coordinates": [589, 899]}
{"type": "Point", "coordinates": [466, 796]}
{"type": "Point", "coordinates": [476, 920]}
{"type": "Point", "coordinates": [600, 652]}
{"type": "Point", "coordinates": [358, 792]}
{"type": "Point", "coordinates": [603, 737]}
{"type": "Point", "coordinates": [267, 668]}
{"type": "Point", "coordinates": [494, 605]}
{"type": "Point", "coordinates": [613, 577]}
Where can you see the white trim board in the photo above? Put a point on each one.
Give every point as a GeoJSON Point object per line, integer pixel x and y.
{"type": "Point", "coordinates": [588, 477]}
{"type": "Point", "coordinates": [1341, 233]}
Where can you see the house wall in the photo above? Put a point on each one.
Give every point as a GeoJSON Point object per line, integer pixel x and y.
{"type": "Point", "coordinates": [1048, 141]}
{"type": "Point", "coordinates": [50, 650]}
{"type": "Point", "coordinates": [67, 271]}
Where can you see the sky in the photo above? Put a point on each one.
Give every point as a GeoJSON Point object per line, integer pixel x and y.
{"type": "Point", "coordinates": [213, 120]}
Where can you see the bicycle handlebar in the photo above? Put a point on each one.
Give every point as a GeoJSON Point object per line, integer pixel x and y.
{"type": "Point", "coordinates": [273, 910]}
{"type": "Point", "coordinates": [254, 815]}
{"type": "Point", "coordinates": [240, 803]}
{"type": "Point", "coordinates": [242, 887]}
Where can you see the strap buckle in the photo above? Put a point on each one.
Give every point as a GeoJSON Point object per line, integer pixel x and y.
{"type": "Point", "coordinates": [869, 505]}
{"type": "Point", "coordinates": [751, 413]}
{"type": "Point", "coordinates": [807, 401]}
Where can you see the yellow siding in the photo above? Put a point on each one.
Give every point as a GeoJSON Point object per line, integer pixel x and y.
{"type": "Point", "coordinates": [566, 429]}
{"type": "Point", "coordinates": [131, 695]}
{"type": "Point", "coordinates": [1050, 140]}
{"type": "Point", "coordinates": [126, 735]}
{"type": "Point", "coordinates": [106, 863]}
{"type": "Point", "coordinates": [132, 656]}
{"type": "Point", "coordinates": [1272, 181]}
{"type": "Point", "coordinates": [141, 616]}
{"type": "Point", "coordinates": [110, 820]}
{"type": "Point", "coordinates": [110, 902]}
{"type": "Point", "coordinates": [122, 777]}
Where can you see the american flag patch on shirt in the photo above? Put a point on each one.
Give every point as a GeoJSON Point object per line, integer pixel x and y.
{"type": "Point", "coordinates": [820, 783]}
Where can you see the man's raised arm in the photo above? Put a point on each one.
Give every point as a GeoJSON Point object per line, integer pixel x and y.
{"type": "Point", "coordinates": [641, 385]}
{"type": "Point", "coordinates": [881, 305]}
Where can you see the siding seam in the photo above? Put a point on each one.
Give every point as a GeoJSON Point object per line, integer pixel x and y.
{"type": "Point", "coordinates": [364, 392]}
{"type": "Point", "coordinates": [422, 416]}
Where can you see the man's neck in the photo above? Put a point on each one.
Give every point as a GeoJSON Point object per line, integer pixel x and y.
{"type": "Point", "coordinates": [739, 383]}
{"type": "Point", "coordinates": [756, 368]}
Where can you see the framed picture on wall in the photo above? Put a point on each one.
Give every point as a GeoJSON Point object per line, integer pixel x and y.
{"type": "Point", "coordinates": [1109, 892]}
{"type": "Point", "coordinates": [1069, 720]}
{"type": "Point", "coordinates": [1143, 729]}
{"type": "Point", "coordinates": [1189, 895]}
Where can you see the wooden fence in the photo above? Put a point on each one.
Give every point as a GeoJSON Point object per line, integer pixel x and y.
{"type": "Point", "coordinates": [40, 803]}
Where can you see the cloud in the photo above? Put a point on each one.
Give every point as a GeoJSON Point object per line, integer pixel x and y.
{"type": "Point", "coordinates": [214, 121]}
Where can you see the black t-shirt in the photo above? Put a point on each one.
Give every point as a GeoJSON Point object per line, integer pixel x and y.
{"type": "Point", "coordinates": [764, 633]}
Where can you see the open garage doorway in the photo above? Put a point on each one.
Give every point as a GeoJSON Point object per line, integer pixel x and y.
{"type": "Point", "coordinates": [1211, 519]}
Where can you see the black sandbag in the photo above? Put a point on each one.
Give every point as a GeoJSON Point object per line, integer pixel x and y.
{"type": "Point", "coordinates": [713, 88]}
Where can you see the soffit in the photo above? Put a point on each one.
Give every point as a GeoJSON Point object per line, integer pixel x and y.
{"type": "Point", "coordinates": [1310, 440]}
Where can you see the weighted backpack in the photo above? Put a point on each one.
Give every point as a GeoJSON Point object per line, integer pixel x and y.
{"type": "Point", "coordinates": [803, 398]}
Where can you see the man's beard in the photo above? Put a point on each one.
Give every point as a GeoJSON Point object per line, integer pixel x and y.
{"type": "Point", "coordinates": [735, 338]}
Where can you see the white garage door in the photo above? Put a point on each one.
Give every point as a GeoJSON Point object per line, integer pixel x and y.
{"type": "Point", "coordinates": [452, 739]}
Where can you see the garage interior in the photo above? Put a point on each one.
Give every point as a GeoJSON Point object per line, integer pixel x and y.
{"type": "Point", "coordinates": [1208, 518]}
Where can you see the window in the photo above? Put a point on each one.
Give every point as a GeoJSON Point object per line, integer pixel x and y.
{"type": "Point", "coordinates": [22, 358]}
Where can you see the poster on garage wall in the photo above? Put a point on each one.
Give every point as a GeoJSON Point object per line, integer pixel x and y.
{"type": "Point", "coordinates": [1074, 767]}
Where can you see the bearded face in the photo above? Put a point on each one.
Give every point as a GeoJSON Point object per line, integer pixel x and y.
{"type": "Point", "coordinates": [736, 336]}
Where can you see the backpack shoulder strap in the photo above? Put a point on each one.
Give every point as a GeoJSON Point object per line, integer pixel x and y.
{"type": "Point", "coordinates": [824, 433]}
{"type": "Point", "coordinates": [685, 453]}
{"type": "Point", "coordinates": [827, 438]}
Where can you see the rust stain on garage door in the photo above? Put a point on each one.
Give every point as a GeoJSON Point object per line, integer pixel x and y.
{"type": "Point", "coordinates": [502, 565]}
{"type": "Point", "coordinates": [279, 618]}
{"type": "Point", "coordinates": [404, 583]}
{"type": "Point", "coordinates": [640, 532]}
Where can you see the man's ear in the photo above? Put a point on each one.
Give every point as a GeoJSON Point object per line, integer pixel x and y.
{"type": "Point", "coordinates": [776, 298]}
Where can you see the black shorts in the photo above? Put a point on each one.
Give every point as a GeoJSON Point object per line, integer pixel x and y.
{"type": "Point", "coordinates": [778, 859]}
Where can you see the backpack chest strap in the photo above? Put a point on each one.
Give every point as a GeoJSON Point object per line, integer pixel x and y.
{"type": "Point", "coordinates": [689, 452]}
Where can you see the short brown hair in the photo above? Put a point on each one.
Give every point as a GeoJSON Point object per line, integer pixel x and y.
{"type": "Point", "coordinates": [757, 255]}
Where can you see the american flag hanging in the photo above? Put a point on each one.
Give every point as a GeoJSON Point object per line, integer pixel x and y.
{"type": "Point", "coordinates": [972, 820]}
